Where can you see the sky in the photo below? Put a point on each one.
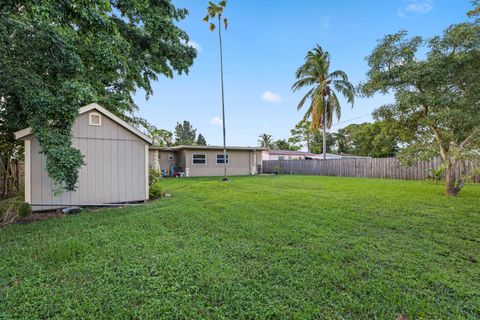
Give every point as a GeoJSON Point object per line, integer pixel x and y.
{"type": "Point", "coordinates": [265, 43]}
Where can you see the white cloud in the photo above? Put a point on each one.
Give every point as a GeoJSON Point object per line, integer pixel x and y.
{"type": "Point", "coordinates": [193, 44]}
{"type": "Point", "coordinates": [271, 97]}
{"type": "Point", "coordinates": [325, 22]}
{"type": "Point", "coordinates": [217, 121]}
{"type": "Point", "coordinates": [416, 6]}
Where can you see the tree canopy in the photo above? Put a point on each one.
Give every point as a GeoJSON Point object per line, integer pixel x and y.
{"type": "Point", "coordinates": [437, 94]}
{"type": "Point", "coordinates": [201, 141]}
{"type": "Point", "coordinates": [58, 55]}
{"type": "Point", "coordinates": [376, 139]}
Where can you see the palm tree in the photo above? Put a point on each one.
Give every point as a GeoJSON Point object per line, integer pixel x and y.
{"type": "Point", "coordinates": [265, 140]}
{"type": "Point", "coordinates": [314, 74]}
{"type": "Point", "coordinates": [216, 11]}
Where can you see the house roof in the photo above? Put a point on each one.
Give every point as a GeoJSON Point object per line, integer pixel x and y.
{"type": "Point", "coordinates": [292, 153]}
{"type": "Point", "coordinates": [95, 106]}
{"type": "Point", "coordinates": [192, 147]}
{"type": "Point", "coordinates": [311, 155]}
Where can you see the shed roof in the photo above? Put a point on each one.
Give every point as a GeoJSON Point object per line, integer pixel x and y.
{"type": "Point", "coordinates": [95, 106]}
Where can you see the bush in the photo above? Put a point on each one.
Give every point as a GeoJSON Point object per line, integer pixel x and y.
{"type": "Point", "coordinates": [156, 191]}
{"type": "Point", "coordinates": [154, 176]}
{"type": "Point", "coordinates": [12, 210]}
{"type": "Point", "coordinates": [438, 174]}
{"type": "Point", "coordinates": [24, 210]}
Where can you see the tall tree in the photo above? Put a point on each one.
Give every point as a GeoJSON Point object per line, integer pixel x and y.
{"type": "Point", "coordinates": [317, 142]}
{"type": "Point", "coordinates": [185, 134]}
{"type": "Point", "coordinates": [265, 140]}
{"type": "Point", "coordinates": [303, 133]}
{"type": "Point", "coordinates": [283, 144]}
{"type": "Point", "coordinates": [437, 95]}
{"type": "Point", "coordinates": [160, 137]}
{"type": "Point", "coordinates": [216, 12]}
{"type": "Point", "coordinates": [201, 141]}
{"type": "Point", "coordinates": [56, 56]}
{"type": "Point", "coordinates": [376, 139]}
{"type": "Point", "coordinates": [322, 85]}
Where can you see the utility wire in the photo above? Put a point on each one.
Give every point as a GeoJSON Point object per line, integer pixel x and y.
{"type": "Point", "coordinates": [359, 117]}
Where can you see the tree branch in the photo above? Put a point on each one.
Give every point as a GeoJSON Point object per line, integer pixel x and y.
{"type": "Point", "coordinates": [469, 138]}
{"type": "Point", "coordinates": [443, 151]}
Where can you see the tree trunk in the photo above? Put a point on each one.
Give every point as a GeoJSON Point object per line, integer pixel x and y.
{"type": "Point", "coordinates": [453, 184]}
{"type": "Point", "coordinates": [324, 133]}
{"type": "Point", "coordinates": [4, 179]}
{"type": "Point", "coordinates": [17, 176]}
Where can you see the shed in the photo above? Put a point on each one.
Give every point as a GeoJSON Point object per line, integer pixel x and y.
{"type": "Point", "coordinates": [116, 163]}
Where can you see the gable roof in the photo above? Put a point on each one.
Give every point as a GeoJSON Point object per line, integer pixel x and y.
{"type": "Point", "coordinates": [95, 106]}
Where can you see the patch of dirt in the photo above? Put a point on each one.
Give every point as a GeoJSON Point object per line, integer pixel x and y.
{"type": "Point", "coordinates": [34, 217]}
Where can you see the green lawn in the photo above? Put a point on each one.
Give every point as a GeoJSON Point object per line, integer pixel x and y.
{"type": "Point", "coordinates": [256, 247]}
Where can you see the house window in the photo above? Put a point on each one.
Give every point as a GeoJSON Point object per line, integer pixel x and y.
{"type": "Point", "coordinates": [220, 158]}
{"type": "Point", "coordinates": [199, 159]}
{"type": "Point", "coordinates": [170, 157]}
{"type": "Point", "coordinates": [94, 119]}
{"type": "Point", "coordinates": [281, 157]}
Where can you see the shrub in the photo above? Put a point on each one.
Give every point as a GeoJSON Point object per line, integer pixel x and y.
{"type": "Point", "coordinates": [154, 176]}
{"type": "Point", "coordinates": [276, 169]}
{"type": "Point", "coordinates": [12, 210]}
{"type": "Point", "coordinates": [156, 191]}
{"type": "Point", "coordinates": [24, 210]}
{"type": "Point", "coordinates": [438, 174]}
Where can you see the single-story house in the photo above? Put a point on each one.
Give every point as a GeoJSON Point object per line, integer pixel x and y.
{"type": "Point", "coordinates": [194, 161]}
{"type": "Point", "coordinates": [301, 155]}
{"type": "Point", "coordinates": [116, 163]}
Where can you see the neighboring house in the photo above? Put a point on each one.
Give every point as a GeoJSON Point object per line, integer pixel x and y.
{"type": "Point", "coordinates": [116, 163]}
{"type": "Point", "coordinates": [205, 160]}
{"type": "Point", "coordinates": [301, 155]}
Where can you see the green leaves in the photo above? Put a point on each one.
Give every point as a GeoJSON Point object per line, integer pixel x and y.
{"type": "Point", "coordinates": [216, 11]}
{"type": "Point", "coordinates": [57, 56]}
{"type": "Point", "coordinates": [436, 95]}
{"type": "Point", "coordinates": [314, 74]}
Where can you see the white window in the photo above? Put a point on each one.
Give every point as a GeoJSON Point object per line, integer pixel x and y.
{"type": "Point", "coordinates": [220, 158]}
{"type": "Point", "coordinates": [281, 157]}
{"type": "Point", "coordinates": [199, 159]}
{"type": "Point", "coordinates": [94, 119]}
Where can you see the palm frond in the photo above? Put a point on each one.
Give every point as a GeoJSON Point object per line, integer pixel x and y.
{"type": "Point", "coordinates": [305, 98]}
{"type": "Point", "coordinates": [346, 89]}
{"type": "Point", "coordinates": [225, 23]}
{"type": "Point", "coordinates": [304, 82]}
{"type": "Point", "coordinates": [338, 74]}
{"type": "Point", "coordinates": [212, 27]}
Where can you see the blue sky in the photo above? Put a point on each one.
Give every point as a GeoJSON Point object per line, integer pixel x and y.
{"type": "Point", "coordinates": [265, 43]}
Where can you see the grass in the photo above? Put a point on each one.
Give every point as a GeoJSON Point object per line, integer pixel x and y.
{"type": "Point", "coordinates": [256, 247]}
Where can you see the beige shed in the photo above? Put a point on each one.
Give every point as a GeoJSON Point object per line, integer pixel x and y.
{"type": "Point", "coordinates": [116, 163]}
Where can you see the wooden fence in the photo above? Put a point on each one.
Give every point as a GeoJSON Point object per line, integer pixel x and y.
{"type": "Point", "coordinates": [11, 177]}
{"type": "Point", "coordinates": [386, 168]}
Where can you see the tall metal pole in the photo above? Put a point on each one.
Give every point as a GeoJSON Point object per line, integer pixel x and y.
{"type": "Point", "coordinates": [223, 102]}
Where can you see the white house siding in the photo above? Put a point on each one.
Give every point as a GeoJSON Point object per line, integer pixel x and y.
{"type": "Point", "coordinates": [114, 170]}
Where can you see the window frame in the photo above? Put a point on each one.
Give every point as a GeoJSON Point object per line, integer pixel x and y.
{"type": "Point", "coordinates": [223, 161]}
{"type": "Point", "coordinates": [94, 114]}
{"type": "Point", "coordinates": [199, 154]}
